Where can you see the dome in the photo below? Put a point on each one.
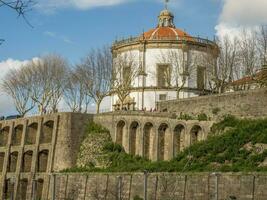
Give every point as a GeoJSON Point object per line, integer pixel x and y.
{"type": "Point", "coordinates": [166, 33]}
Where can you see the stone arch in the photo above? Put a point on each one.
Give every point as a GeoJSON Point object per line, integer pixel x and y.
{"type": "Point", "coordinates": [9, 189]}
{"type": "Point", "coordinates": [4, 132]}
{"type": "Point", "coordinates": [134, 137]}
{"type": "Point", "coordinates": [149, 134]}
{"type": "Point", "coordinates": [27, 161]}
{"type": "Point", "coordinates": [22, 189]}
{"type": "Point", "coordinates": [47, 132]}
{"type": "Point", "coordinates": [164, 141]}
{"type": "Point", "coordinates": [12, 162]}
{"type": "Point", "coordinates": [178, 138]}
{"type": "Point", "coordinates": [121, 132]}
{"type": "Point", "coordinates": [196, 134]}
{"type": "Point", "coordinates": [17, 135]}
{"type": "Point", "coordinates": [42, 161]}
{"type": "Point", "coordinates": [31, 134]}
{"type": "Point", "coordinates": [2, 158]}
{"type": "Point", "coordinates": [39, 188]}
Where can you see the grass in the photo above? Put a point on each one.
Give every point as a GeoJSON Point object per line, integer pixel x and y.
{"type": "Point", "coordinates": [224, 153]}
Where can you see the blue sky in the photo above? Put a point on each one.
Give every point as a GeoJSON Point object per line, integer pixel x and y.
{"type": "Point", "coordinates": [72, 27]}
{"type": "Point", "coordinates": [71, 31]}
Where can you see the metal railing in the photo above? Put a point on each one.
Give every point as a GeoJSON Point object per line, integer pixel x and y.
{"type": "Point", "coordinates": [166, 38]}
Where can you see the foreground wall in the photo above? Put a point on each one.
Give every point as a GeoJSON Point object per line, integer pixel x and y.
{"type": "Point", "coordinates": [252, 103]}
{"type": "Point", "coordinates": [162, 186]}
{"type": "Point", "coordinates": [31, 148]}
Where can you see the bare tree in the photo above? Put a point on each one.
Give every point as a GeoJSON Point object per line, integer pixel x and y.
{"type": "Point", "coordinates": [21, 7]}
{"type": "Point", "coordinates": [75, 94]}
{"type": "Point", "coordinates": [262, 43]}
{"type": "Point", "coordinates": [180, 70]}
{"type": "Point", "coordinates": [248, 54]}
{"type": "Point", "coordinates": [48, 82]}
{"type": "Point", "coordinates": [17, 85]}
{"type": "Point", "coordinates": [97, 74]}
{"type": "Point", "coordinates": [124, 72]}
{"type": "Point", "coordinates": [226, 65]}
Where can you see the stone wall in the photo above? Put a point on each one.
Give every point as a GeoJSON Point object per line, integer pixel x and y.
{"type": "Point", "coordinates": [252, 103]}
{"type": "Point", "coordinates": [159, 186]}
{"type": "Point", "coordinates": [33, 147]}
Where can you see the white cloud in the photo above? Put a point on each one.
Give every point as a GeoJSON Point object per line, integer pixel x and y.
{"type": "Point", "coordinates": [6, 105]}
{"type": "Point", "coordinates": [51, 5]}
{"type": "Point", "coordinates": [59, 37]}
{"type": "Point", "coordinates": [237, 14]}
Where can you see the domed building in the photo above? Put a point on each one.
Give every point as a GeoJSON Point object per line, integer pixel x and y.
{"type": "Point", "coordinates": [161, 64]}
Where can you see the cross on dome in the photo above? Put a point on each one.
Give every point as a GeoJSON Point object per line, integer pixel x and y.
{"type": "Point", "coordinates": [166, 4]}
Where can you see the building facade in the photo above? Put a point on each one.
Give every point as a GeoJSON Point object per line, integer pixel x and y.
{"type": "Point", "coordinates": [168, 62]}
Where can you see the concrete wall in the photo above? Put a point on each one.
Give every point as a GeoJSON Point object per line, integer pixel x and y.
{"type": "Point", "coordinates": [252, 103]}
{"type": "Point", "coordinates": [161, 186]}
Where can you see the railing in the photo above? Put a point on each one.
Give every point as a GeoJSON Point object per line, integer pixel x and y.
{"type": "Point", "coordinates": [157, 38]}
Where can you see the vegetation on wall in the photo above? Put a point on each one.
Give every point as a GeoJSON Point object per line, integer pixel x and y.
{"type": "Point", "coordinates": [234, 145]}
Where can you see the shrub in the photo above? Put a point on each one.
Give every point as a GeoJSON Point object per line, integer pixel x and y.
{"type": "Point", "coordinates": [92, 128]}
{"type": "Point", "coordinates": [202, 117]}
{"type": "Point", "coordinates": [185, 117]}
{"type": "Point", "coordinates": [113, 147]}
{"type": "Point", "coordinates": [137, 197]}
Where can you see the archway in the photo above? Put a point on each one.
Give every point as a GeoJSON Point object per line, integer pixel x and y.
{"type": "Point", "coordinates": [178, 138]}
{"type": "Point", "coordinates": [22, 189]}
{"type": "Point", "coordinates": [31, 134]}
{"type": "Point", "coordinates": [17, 135]}
{"type": "Point", "coordinates": [42, 161]}
{"type": "Point", "coordinates": [120, 132]}
{"type": "Point", "coordinates": [47, 132]}
{"type": "Point", "coordinates": [196, 134]}
{"type": "Point", "coordinates": [4, 132]}
{"type": "Point", "coordinates": [12, 162]}
{"type": "Point", "coordinates": [148, 140]}
{"type": "Point", "coordinates": [27, 161]}
{"type": "Point", "coordinates": [163, 143]}
{"type": "Point", "coordinates": [134, 142]}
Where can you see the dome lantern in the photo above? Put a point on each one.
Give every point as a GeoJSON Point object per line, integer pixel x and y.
{"type": "Point", "coordinates": [165, 18]}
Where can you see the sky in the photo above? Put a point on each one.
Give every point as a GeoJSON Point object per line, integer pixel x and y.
{"type": "Point", "coordinates": [72, 27]}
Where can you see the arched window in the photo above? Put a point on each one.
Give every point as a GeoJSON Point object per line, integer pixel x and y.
{"type": "Point", "coordinates": [2, 158]}
{"type": "Point", "coordinates": [22, 189]}
{"type": "Point", "coordinates": [42, 161]}
{"type": "Point", "coordinates": [39, 188]}
{"type": "Point", "coordinates": [17, 135]}
{"type": "Point", "coordinates": [31, 133]}
{"type": "Point", "coordinates": [120, 132]}
{"type": "Point", "coordinates": [9, 189]}
{"type": "Point", "coordinates": [27, 161]}
{"type": "Point", "coordinates": [4, 132]}
{"type": "Point", "coordinates": [12, 162]}
{"type": "Point", "coordinates": [196, 133]}
{"type": "Point", "coordinates": [148, 140]}
{"type": "Point", "coordinates": [134, 143]}
{"type": "Point", "coordinates": [47, 132]}
{"type": "Point", "coordinates": [163, 143]}
{"type": "Point", "coordinates": [178, 139]}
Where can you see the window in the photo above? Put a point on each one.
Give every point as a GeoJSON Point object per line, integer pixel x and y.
{"type": "Point", "coordinates": [126, 73]}
{"type": "Point", "coordinates": [200, 78]}
{"type": "Point", "coordinates": [164, 75]}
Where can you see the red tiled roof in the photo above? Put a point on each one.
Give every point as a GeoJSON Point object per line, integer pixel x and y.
{"type": "Point", "coordinates": [165, 33]}
{"type": "Point", "coordinates": [262, 74]}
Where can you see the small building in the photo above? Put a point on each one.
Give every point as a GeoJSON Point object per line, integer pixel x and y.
{"type": "Point", "coordinates": [169, 64]}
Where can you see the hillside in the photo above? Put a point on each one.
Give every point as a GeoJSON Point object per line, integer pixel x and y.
{"type": "Point", "coordinates": [234, 145]}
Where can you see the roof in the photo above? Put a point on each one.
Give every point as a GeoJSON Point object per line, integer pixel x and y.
{"type": "Point", "coordinates": [259, 76]}
{"type": "Point", "coordinates": [166, 33]}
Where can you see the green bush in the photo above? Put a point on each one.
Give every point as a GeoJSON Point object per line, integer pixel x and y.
{"type": "Point", "coordinates": [137, 197]}
{"type": "Point", "coordinates": [185, 117]}
{"type": "Point", "coordinates": [92, 128]}
{"type": "Point", "coordinates": [202, 117]}
{"type": "Point", "coordinates": [224, 152]}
